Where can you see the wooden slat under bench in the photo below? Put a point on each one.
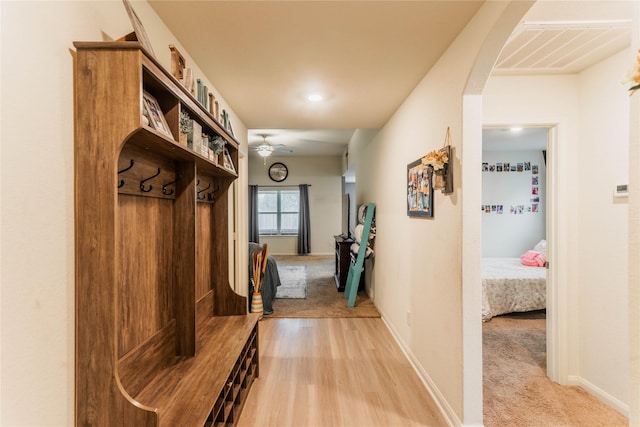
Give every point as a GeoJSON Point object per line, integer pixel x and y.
{"type": "Point", "coordinates": [185, 393]}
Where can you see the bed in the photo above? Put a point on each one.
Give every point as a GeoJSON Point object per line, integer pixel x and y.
{"type": "Point", "coordinates": [508, 287]}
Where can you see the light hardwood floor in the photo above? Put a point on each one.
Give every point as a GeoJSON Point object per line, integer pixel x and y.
{"type": "Point", "coordinates": [335, 372]}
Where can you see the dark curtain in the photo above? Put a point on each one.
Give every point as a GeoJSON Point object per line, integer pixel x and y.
{"type": "Point", "coordinates": [254, 231]}
{"type": "Point", "coordinates": [304, 224]}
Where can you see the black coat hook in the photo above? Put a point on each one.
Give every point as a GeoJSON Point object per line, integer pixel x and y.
{"type": "Point", "coordinates": [124, 170]}
{"type": "Point", "coordinates": [164, 187]}
{"type": "Point", "coordinates": [200, 191]}
{"type": "Point", "coordinates": [147, 179]}
{"type": "Point", "coordinates": [211, 196]}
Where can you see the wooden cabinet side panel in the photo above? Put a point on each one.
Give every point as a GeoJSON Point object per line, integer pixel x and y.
{"type": "Point", "coordinates": [225, 300]}
{"type": "Point", "coordinates": [107, 110]}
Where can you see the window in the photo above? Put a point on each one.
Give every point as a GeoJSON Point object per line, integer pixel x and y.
{"type": "Point", "coordinates": [278, 211]}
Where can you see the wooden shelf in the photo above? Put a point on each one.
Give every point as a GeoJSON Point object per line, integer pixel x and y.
{"type": "Point", "coordinates": [161, 338]}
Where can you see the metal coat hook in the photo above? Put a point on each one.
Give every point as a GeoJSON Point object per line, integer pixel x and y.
{"type": "Point", "coordinates": [147, 179]}
{"type": "Point", "coordinates": [164, 187]}
{"type": "Point", "coordinates": [124, 170]}
{"type": "Point", "coordinates": [200, 191]}
{"type": "Point", "coordinates": [211, 196]}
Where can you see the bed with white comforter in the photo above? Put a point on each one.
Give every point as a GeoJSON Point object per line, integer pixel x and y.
{"type": "Point", "coordinates": [508, 287]}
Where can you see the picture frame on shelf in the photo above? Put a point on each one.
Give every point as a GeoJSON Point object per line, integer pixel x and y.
{"type": "Point", "coordinates": [227, 162]}
{"type": "Point", "coordinates": [156, 118]}
{"type": "Point", "coordinates": [138, 29]}
{"type": "Point", "coordinates": [419, 190]}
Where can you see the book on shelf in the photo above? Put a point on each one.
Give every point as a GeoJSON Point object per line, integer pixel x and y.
{"type": "Point", "coordinates": [197, 137]}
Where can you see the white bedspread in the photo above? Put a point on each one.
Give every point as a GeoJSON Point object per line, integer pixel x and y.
{"type": "Point", "coordinates": [508, 286]}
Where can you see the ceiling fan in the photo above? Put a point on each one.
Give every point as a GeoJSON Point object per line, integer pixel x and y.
{"type": "Point", "coordinates": [265, 149]}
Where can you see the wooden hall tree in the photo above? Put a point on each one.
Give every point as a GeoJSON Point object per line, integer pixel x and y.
{"type": "Point", "coordinates": [161, 339]}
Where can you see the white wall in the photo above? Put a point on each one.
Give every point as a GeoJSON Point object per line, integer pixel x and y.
{"type": "Point", "coordinates": [37, 197]}
{"type": "Point", "coordinates": [418, 263]}
{"type": "Point", "coordinates": [507, 234]}
{"type": "Point", "coordinates": [590, 112]}
{"type": "Point", "coordinates": [603, 223]}
{"type": "Point", "coordinates": [325, 199]}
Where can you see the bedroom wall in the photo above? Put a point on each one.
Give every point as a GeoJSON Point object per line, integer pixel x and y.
{"type": "Point", "coordinates": [514, 231]}
{"type": "Point", "coordinates": [325, 199]}
{"type": "Point", "coordinates": [37, 196]}
{"type": "Point", "coordinates": [591, 114]}
{"type": "Point", "coordinates": [417, 275]}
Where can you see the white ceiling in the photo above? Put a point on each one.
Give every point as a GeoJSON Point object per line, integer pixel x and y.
{"type": "Point", "coordinates": [505, 139]}
{"type": "Point", "coordinates": [265, 57]}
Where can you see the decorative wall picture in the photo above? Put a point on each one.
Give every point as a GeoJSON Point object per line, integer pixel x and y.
{"type": "Point", "coordinates": [156, 118]}
{"type": "Point", "coordinates": [138, 29]}
{"type": "Point", "coordinates": [419, 190]}
{"type": "Point", "coordinates": [530, 192]}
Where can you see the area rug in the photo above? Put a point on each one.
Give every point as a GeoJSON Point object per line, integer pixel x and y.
{"type": "Point", "coordinates": [323, 299]}
{"type": "Point", "coordinates": [293, 281]}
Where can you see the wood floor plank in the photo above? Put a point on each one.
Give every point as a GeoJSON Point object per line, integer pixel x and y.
{"type": "Point", "coordinates": [335, 372]}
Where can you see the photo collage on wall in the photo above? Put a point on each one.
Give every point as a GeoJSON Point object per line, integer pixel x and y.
{"type": "Point", "coordinates": [519, 209]}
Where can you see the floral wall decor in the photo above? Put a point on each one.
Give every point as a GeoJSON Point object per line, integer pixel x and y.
{"type": "Point", "coordinates": [633, 76]}
{"type": "Point", "coordinates": [439, 161]}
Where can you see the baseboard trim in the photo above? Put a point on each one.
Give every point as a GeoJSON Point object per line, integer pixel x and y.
{"type": "Point", "coordinates": [449, 415]}
{"type": "Point", "coordinates": [312, 254]}
{"type": "Point", "coordinates": [600, 394]}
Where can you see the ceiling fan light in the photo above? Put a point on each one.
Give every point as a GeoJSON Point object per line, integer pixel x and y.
{"type": "Point", "coordinates": [264, 151]}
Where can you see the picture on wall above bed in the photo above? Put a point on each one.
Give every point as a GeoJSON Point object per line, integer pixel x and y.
{"type": "Point", "coordinates": [419, 190]}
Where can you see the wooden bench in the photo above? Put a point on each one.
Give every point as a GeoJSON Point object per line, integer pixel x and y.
{"type": "Point", "coordinates": [207, 389]}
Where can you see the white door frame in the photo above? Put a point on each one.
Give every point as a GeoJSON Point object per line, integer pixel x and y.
{"type": "Point", "coordinates": [557, 238]}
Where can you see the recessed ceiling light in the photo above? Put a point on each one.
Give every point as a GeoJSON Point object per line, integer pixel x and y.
{"type": "Point", "coordinates": [516, 129]}
{"type": "Point", "coordinates": [315, 97]}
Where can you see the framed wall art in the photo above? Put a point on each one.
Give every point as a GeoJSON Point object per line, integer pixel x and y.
{"type": "Point", "coordinates": [156, 118]}
{"type": "Point", "coordinates": [138, 29]}
{"type": "Point", "coordinates": [419, 190]}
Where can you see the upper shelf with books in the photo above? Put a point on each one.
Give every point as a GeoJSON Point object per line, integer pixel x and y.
{"type": "Point", "coordinates": [157, 80]}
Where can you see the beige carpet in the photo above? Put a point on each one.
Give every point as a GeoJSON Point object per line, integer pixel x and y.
{"type": "Point", "coordinates": [516, 389]}
{"type": "Point", "coordinates": [323, 299]}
